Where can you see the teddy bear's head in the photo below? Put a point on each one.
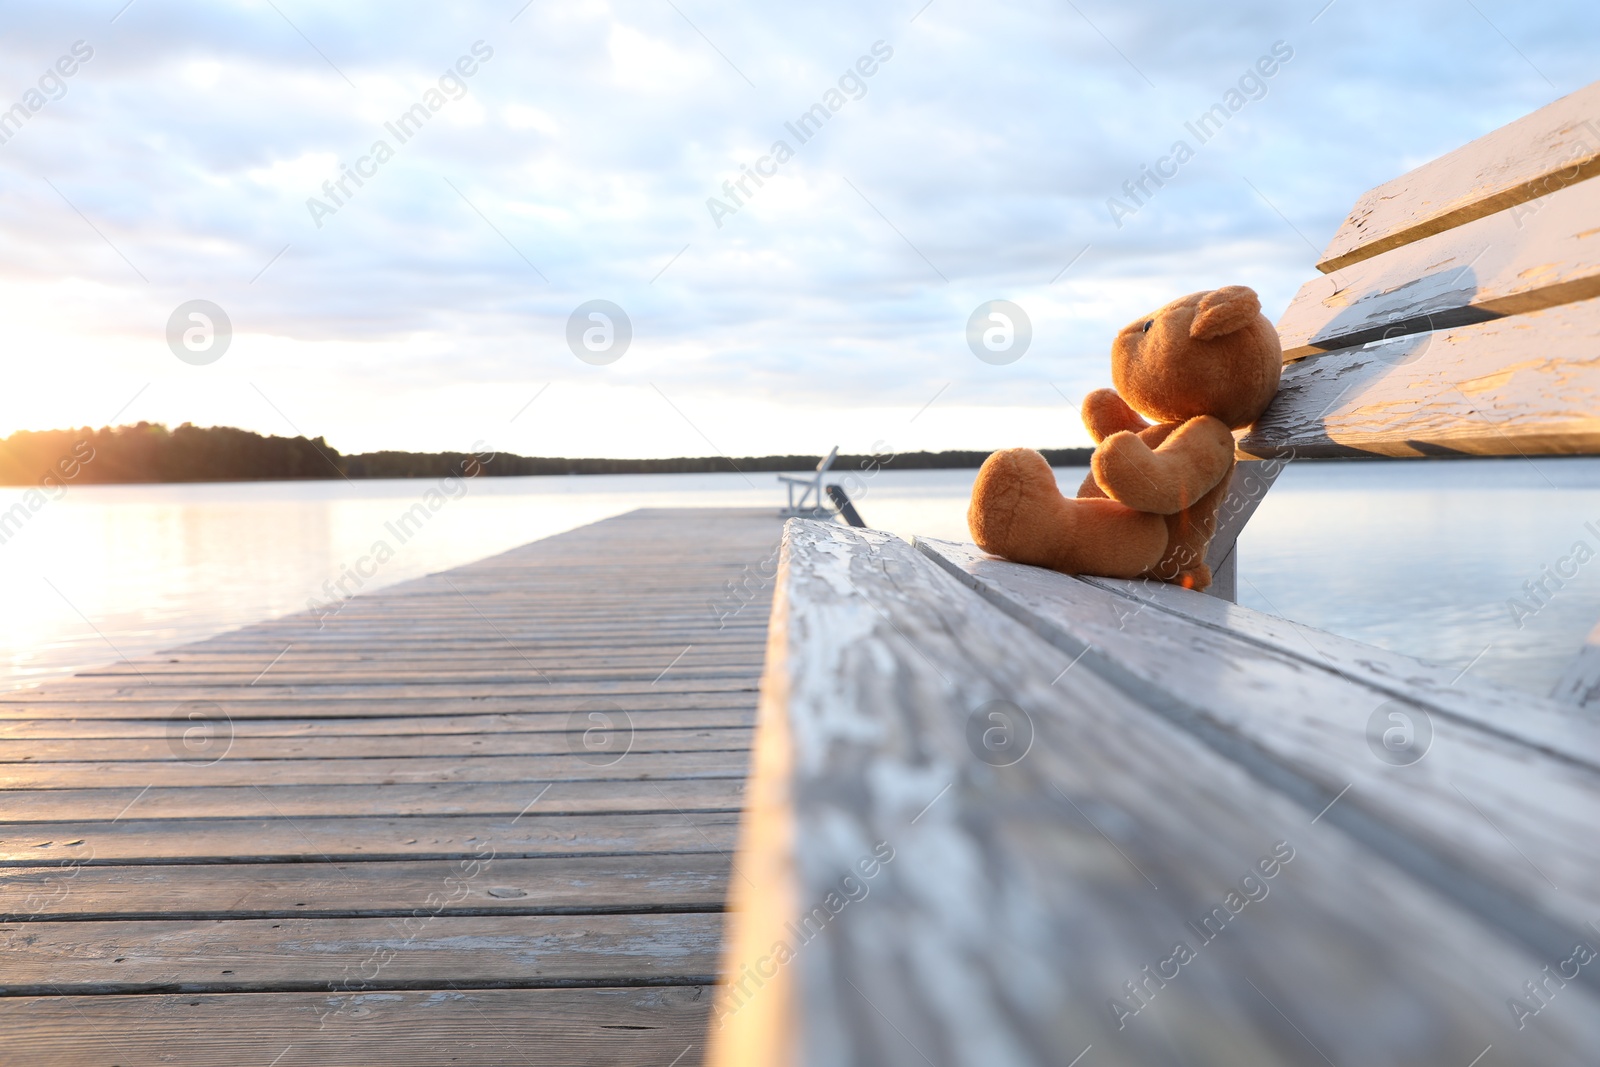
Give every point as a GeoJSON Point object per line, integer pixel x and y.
{"type": "Point", "coordinates": [1210, 353]}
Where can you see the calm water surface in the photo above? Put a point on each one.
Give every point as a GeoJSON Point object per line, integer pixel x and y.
{"type": "Point", "coordinates": [1419, 557]}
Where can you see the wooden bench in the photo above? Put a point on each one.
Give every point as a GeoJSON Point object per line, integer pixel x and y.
{"type": "Point", "coordinates": [1003, 816]}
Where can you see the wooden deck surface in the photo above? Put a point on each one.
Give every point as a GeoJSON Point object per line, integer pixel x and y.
{"type": "Point", "coordinates": [398, 834]}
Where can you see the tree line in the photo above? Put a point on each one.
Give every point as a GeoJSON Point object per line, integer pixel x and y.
{"type": "Point", "coordinates": [150, 452]}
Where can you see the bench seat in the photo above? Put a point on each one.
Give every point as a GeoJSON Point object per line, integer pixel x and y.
{"type": "Point", "coordinates": [1136, 824]}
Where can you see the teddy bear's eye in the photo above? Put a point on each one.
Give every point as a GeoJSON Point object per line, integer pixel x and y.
{"type": "Point", "coordinates": [1147, 326]}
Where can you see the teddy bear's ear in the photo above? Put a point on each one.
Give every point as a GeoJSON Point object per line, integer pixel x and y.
{"type": "Point", "coordinates": [1224, 310]}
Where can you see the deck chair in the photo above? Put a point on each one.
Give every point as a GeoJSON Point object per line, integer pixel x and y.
{"type": "Point", "coordinates": [810, 503]}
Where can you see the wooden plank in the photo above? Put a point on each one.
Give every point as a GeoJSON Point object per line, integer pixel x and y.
{"type": "Point", "coordinates": [513, 665]}
{"type": "Point", "coordinates": [1315, 727]}
{"type": "Point", "coordinates": [547, 743]}
{"type": "Point", "coordinates": [291, 655]}
{"type": "Point", "coordinates": [417, 769]}
{"type": "Point", "coordinates": [1516, 386]}
{"type": "Point", "coordinates": [389, 726]}
{"type": "Point", "coordinates": [277, 839]}
{"type": "Point", "coordinates": [319, 955]}
{"type": "Point", "coordinates": [1554, 147]}
{"type": "Point", "coordinates": [575, 593]}
{"type": "Point", "coordinates": [606, 1027]}
{"type": "Point", "coordinates": [509, 674]}
{"type": "Point", "coordinates": [1549, 726]}
{"type": "Point", "coordinates": [450, 635]}
{"type": "Point", "coordinates": [1537, 255]}
{"type": "Point", "coordinates": [135, 689]}
{"type": "Point", "coordinates": [19, 807]}
{"type": "Point", "coordinates": [1247, 487]}
{"type": "Point", "coordinates": [1021, 900]}
{"type": "Point", "coordinates": [587, 885]}
{"type": "Point", "coordinates": [472, 654]}
{"type": "Point", "coordinates": [516, 621]}
{"type": "Point", "coordinates": [269, 705]}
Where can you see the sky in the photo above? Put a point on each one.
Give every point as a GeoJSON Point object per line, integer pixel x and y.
{"type": "Point", "coordinates": [560, 154]}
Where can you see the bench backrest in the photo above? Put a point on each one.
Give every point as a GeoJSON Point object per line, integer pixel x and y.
{"type": "Point", "coordinates": [1459, 308]}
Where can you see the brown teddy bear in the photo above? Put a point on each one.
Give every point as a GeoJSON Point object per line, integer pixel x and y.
{"type": "Point", "coordinates": [1200, 368]}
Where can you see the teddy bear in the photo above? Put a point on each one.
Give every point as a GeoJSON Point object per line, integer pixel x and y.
{"type": "Point", "coordinates": [1197, 369]}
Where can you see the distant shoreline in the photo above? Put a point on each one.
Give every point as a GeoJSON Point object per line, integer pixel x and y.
{"type": "Point", "coordinates": [151, 454]}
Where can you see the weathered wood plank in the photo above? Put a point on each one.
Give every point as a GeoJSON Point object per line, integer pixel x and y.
{"type": "Point", "coordinates": [1554, 147]}
{"type": "Point", "coordinates": [319, 889]}
{"type": "Point", "coordinates": [1523, 385]}
{"type": "Point", "coordinates": [1308, 726]}
{"type": "Point", "coordinates": [250, 704]}
{"type": "Point", "coordinates": [417, 769]}
{"type": "Point", "coordinates": [290, 657]}
{"type": "Point", "coordinates": [135, 689]}
{"type": "Point", "coordinates": [19, 807]}
{"type": "Point", "coordinates": [358, 955]}
{"type": "Point", "coordinates": [1533, 256]}
{"type": "Point", "coordinates": [512, 672]}
{"type": "Point", "coordinates": [1023, 900]}
{"type": "Point", "coordinates": [485, 613]}
{"type": "Point", "coordinates": [1247, 487]}
{"type": "Point", "coordinates": [401, 666]}
{"type": "Point", "coordinates": [385, 653]}
{"type": "Point", "coordinates": [492, 726]}
{"type": "Point", "coordinates": [356, 838]}
{"type": "Point", "coordinates": [628, 1027]}
{"type": "Point", "coordinates": [546, 743]}
{"type": "Point", "coordinates": [1556, 730]}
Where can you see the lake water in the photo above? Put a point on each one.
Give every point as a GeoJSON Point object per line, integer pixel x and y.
{"type": "Point", "coordinates": [1419, 557]}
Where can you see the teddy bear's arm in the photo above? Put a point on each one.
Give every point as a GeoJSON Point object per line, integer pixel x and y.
{"type": "Point", "coordinates": [1191, 462]}
{"type": "Point", "coordinates": [1106, 413]}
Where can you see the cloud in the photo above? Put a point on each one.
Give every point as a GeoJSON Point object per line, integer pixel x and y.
{"type": "Point", "coordinates": [975, 165]}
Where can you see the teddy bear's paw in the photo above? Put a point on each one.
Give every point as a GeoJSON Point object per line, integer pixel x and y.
{"type": "Point", "coordinates": [1106, 413]}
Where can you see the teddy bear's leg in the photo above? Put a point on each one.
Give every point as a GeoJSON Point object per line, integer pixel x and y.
{"type": "Point", "coordinates": [1018, 512]}
{"type": "Point", "coordinates": [1189, 534]}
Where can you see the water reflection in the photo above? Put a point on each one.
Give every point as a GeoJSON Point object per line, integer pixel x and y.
{"type": "Point", "coordinates": [1420, 557]}
{"type": "Point", "coordinates": [1427, 557]}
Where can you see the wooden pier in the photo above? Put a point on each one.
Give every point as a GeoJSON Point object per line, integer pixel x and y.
{"type": "Point", "coordinates": [481, 817]}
